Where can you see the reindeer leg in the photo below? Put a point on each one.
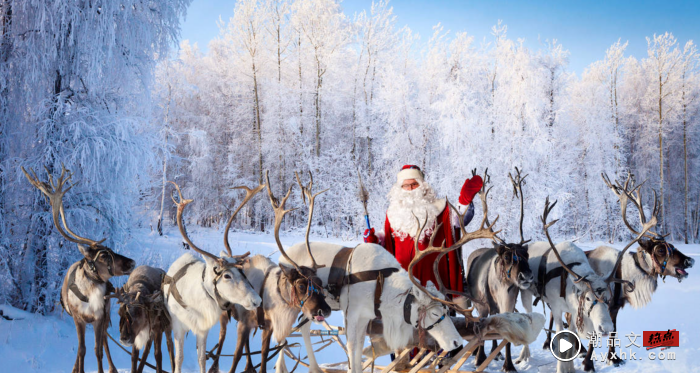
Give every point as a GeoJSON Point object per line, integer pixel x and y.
{"type": "Point", "coordinates": [548, 341]}
{"type": "Point", "coordinates": [79, 366]}
{"type": "Point", "coordinates": [134, 359]}
{"type": "Point", "coordinates": [508, 364]}
{"type": "Point", "coordinates": [265, 349]}
{"type": "Point", "coordinates": [158, 352]}
{"type": "Point", "coordinates": [494, 345]}
{"type": "Point", "coordinates": [356, 329]}
{"type": "Point", "coordinates": [179, 350]}
{"type": "Point", "coordinates": [202, 352]}
{"type": "Point", "coordinates": [223, 321]}
{"type": "Point", "coordinates": [99, 329]}
{"type": "Point", "coordinates": [112, 368]}
{"type": "Point", "coordinates": [144, 356]}
{"type": "Point", "coordinates": [171, 350]}
{"type": "Point", "coordinates": [249, 367]}
{"type": "Point", "coordinates": [306, 333]}
{"type": "Point", "coordinates": [243, 335]}
{"type": "Point", "coordinates": [587, 362]}
{"type": "Point", "coordinates": [562, 366]}
{"type": "Point", "coordinates": [616, 361]}
{"type": "Point", "coordinates": [480, 355]}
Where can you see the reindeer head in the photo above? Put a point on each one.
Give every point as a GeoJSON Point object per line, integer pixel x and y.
{"type": "Point", "coordinates": [306, 291]}
{"type": "Point", "coordinates": [223, 279]}
{"type": "Point", "coordinates": [101, 261]}
{"type": "Point", "coordinates": [432, 316]}
{"type": "Point", "coordinates": [666, 259]}
{"type": "Point", "coordinates": [513, 257]}
{"type": "Point", "coordinates": [513, 262]}
{"type": "Point", "coordinates": [138, 314]}
{"type": "Point", "coordinates": [592, 297]}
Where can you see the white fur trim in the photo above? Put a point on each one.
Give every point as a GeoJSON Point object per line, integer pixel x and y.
{"type": "Point", "coordinates": [409, 173]}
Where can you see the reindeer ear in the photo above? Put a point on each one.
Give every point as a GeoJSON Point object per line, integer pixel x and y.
{"type": "Point", "coordinates": [525, 246]}
{"type": "Point", "coordinates": [647, 245]}
{"type": "Point", "coordinates": [500, 249]}
{"type": "Point", "coordinates": [87, 251]}
{"type": "Point", "coordinates": [288, 271]}
{"type": "Point", "coordinates": [211, 263]}
{"type": "Point", "coordinates": [224, 254]}
{"type": "Point", "coordinates": [495, 244]}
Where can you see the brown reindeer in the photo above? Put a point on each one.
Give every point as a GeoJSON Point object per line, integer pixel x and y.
{"type": "Point", "coordinates": [87, 281]}
{"type": "Point", "coordinates": [143, 317]}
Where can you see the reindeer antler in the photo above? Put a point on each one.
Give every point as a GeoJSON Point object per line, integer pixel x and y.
{"type": "Point", "coordinates": [180, 208]}
{"type": "Point", "coordinates": [280, 212]}
{"type": "Point", "coordinates": [54, 192]}
{"type": "Point", "coordinates": [306, 194]}
{"type": "Point", "coordinates": [249, 193]}
{"type": "Point", "coordinates": [624, 194]}
{"type": "Point", "coordinates": [517, 182]}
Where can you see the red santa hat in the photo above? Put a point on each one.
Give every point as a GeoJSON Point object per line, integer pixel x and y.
{"type": "Point", "coordinates": [409, 171]}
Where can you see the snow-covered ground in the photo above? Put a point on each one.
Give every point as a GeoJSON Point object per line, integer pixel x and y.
{"type": "Point", "coordinates": [33, 343]}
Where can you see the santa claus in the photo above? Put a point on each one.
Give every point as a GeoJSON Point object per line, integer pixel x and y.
{"type": "Point", "coordinates": [413, 197]}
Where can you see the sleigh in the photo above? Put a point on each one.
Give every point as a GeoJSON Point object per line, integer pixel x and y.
{"type": "Point", "coordinates": [429, 358]}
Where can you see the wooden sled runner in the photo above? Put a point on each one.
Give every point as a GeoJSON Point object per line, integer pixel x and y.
{"type": "Point", "coordinates": [429, 358]}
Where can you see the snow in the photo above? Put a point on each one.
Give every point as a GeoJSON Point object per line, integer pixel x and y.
{"type": "Point", "coordinates": [34, 343]}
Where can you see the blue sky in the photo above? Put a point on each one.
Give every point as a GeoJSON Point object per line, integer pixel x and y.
{"type": "Point", "coordinates": [585, 28]}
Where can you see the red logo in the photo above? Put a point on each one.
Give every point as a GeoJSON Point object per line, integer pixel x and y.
{"type": "Point", "coordinates": [654, 339]}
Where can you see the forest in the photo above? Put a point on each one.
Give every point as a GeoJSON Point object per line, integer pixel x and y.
{"type": "Point", "coordinates": [111, 92]}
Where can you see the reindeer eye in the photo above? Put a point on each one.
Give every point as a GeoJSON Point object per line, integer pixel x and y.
{"type": "Point", "coordinates": [227, 276]}
{"type": "Point", "coordinates": [587, 298]}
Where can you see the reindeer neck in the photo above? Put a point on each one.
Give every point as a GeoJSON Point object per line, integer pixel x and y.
{"type": "Point", "coordinates": [636, 268]}
{"type": "Point", "coordinates": [90, 271]}
{"type": "Point", "coordinates": [640, 261]}
{"type": "Point", "coordinates": [286, 291]}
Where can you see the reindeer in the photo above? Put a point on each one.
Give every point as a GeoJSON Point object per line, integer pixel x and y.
{"type": "Point", "coordinates": [87, 281]}
{"type": "Point", "coordinates": [371, 280]}
{"type": "Point", "coordinates": [197, 291]}
{"type": "Point", "coordinates": [582, 293]}
{"type": "Point", "coordinates": [285, 290]}
{"type": "Point", "coordinates": [143, 317]}
{"type": "Point", "coordinates": [495, 275]}
{"type": "Point", "coordinates": [654, 258]}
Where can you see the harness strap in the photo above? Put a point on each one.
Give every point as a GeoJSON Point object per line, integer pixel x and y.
{"type": "Point", "coordinates": [617, 290]}
{"type": "Point", "coordinates": [172, 281]}
{"type": "Point", "coordinates": [552, 274]}
{"type": "Point", "coordinates": [541, 277]}
{"type": "Point", "coordinates": [73, 287]}
{"type": "Point", "coordinates": [260, 311]}
{"type": "Point", "coordinates": [336, 276]}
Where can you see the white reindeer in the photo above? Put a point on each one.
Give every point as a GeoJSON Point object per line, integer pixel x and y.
{"type": "Point", "coordinates": [197, 291]}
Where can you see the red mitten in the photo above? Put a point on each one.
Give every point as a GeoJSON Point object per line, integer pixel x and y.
{"type": "Point", "coordinates": [370, 237]}
{"type": "Point", "coordinates": [470, 188]}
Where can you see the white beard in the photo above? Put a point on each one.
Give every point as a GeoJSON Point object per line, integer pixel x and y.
{"type": "Point", "coordinates": [407, 205]}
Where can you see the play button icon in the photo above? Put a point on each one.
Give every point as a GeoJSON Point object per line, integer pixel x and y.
{"type": "Point", "coordinates": [565, 345]}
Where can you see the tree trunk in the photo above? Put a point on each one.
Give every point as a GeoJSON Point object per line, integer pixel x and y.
{"type": "Point", "coordinates": [165, 166]}
{"type": "Point", "coordinates": [662, 220]}
{"type": "Point", "coordinates": [685, 164]}
{"type": "Point", "coordinates": [259, 124]}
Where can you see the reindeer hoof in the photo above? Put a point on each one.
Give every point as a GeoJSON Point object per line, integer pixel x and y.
{"type": "Point", "coordinates": [588, 366]}
{"type": "Point", "coordinates": [616, 362]}
{"type": "Point", "coordinates": [509, 368]}
{"type": "Point", "coordinates": [545, 346]}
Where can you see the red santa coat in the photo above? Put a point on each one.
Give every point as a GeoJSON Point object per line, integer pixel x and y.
{"type": "Point", "coordinates": [450, 267]}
